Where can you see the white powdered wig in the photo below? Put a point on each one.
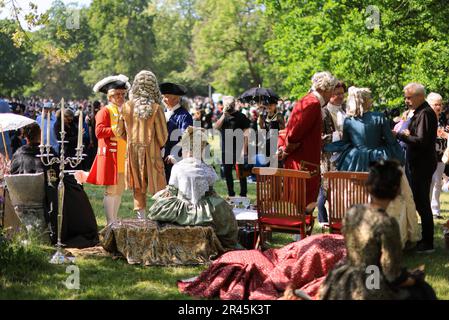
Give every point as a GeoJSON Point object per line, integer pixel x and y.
{"type": "Point", "coordinates": [434, 97]}
{"type": "Point", "coordinates": [416, 88]}
{"type": "Point", "coordinates": [110, 79]}
{"type": "Point", "coordinates": [356, 101]}
{"type": "Point", "coordinates": [324, 81]}
{"type": "Point", "coordinates": [144, 92]}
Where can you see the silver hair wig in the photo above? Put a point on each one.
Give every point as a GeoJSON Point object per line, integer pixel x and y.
{"type": "Point", "coordinates": [324, 81]}
{"type": "Point", "coordinates": [194, 141]}
{"type": "Point", "coordinates": [145, 85]}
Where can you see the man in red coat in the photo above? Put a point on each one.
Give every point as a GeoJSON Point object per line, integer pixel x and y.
{"type": "Point", "coordinates": [108, 168]}
{"type": "Point", "coordinates": [302, 141]}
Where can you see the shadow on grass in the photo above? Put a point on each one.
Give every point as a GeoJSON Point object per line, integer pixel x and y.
{"type": "Point", "coordinates": [99, 278]}
{"type": "Point", "coordinates": [104, 278]}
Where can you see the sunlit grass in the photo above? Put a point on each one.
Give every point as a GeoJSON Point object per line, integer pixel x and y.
{"type": "Point", "coordinates": [105, 278]}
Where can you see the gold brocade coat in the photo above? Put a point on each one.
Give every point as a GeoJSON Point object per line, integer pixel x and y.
{"type": "Point", "coordinates": [144, 168]}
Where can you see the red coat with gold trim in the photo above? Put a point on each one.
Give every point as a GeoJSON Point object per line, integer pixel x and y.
{"type": "Point", "coordinates": [104, 168]}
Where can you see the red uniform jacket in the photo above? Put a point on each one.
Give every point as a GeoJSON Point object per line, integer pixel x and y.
{"type": "Point", "coordinates": [104, 168]}
{"type": "Point", "coordinates": [303, 140]}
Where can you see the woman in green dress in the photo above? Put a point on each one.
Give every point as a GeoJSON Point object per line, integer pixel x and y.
{"type": "Point", "coordinates": [189, 199]}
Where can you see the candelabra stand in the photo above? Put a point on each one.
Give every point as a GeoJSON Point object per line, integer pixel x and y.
{"type": "Point", "coordinates": [48, 160]}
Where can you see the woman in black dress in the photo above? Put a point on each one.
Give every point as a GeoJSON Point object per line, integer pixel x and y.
{"type": "Point", "coordinates": [79, 227]}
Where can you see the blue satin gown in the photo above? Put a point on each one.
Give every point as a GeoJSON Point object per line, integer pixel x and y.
{"type": "Point", "coordinates": [365, 139]}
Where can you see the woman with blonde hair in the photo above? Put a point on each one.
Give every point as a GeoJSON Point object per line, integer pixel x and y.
{"type": "Point", "coordinates": [367, 136]}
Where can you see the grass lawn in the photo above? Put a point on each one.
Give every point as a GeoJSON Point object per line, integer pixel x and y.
{"type": "Point", "coordinates": [29, 276]}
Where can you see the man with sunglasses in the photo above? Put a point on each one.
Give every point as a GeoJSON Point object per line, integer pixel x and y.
{"type": "Point", "coordinates": [108, 168]}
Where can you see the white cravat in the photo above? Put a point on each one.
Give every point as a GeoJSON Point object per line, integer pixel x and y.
{"type": "Point", "coordinates": [338, 115]}
{"type": "Point", "coordinates": [169, 113]}
{"type": "Point", "coordinates": [319, 97]}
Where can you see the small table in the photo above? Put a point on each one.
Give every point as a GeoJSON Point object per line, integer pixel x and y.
{"type": "Point", "coordinates": [245, 216]}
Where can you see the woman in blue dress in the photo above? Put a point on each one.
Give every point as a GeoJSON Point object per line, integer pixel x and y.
{"type": "Point", "coordinates": [367, 135]}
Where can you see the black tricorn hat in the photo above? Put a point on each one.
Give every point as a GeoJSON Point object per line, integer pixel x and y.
{"type": "Point", "coordinates": [172, 88]}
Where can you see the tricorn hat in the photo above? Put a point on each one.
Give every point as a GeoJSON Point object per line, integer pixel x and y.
{"type": "Point", "coordinates": [172, 88]}
{"type": "Point", "coordinates": [112, 82]}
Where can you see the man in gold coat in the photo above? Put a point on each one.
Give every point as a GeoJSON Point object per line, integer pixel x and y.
{"type": "Point", "coordinates": [142, 122]}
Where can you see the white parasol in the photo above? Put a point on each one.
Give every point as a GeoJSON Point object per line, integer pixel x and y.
{"type": "Point", "coordinates": [11, 121]}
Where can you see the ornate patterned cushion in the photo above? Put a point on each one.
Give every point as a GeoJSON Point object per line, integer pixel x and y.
{"type": "Point", "coordinates": [150, 243]}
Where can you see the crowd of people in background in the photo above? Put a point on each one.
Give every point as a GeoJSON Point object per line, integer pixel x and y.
{"type": "Point", "coordinates": [203, 110]}
{"type": "Point", "coordinates": [268, 116]}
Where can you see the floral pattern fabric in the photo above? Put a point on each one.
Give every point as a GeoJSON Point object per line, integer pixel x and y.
{"type": "Point", "coordinates": [149, 243]}
{"type": "Point", "coordinates": [256, 275]}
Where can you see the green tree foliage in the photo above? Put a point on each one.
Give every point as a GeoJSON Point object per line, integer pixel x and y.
{"type": "Point", "coordinates": [173, 31]}
{"type": "Point", "coordinates": [32, 19]}
{"type": "Point", "coordinates": [123, 39]}
{"type": "Point", "coordinates": [228, 45]}
{"type": "Point", "coordinates": [15, 63]}
{"type": "Point", "coordinates": [172, 28]}
{"type": "Point", "coordinates": [410, 43]}
{"type": "Point", "coordinates": [63, 48]}
{"type": "Point", "coordinates": [233, 44]}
